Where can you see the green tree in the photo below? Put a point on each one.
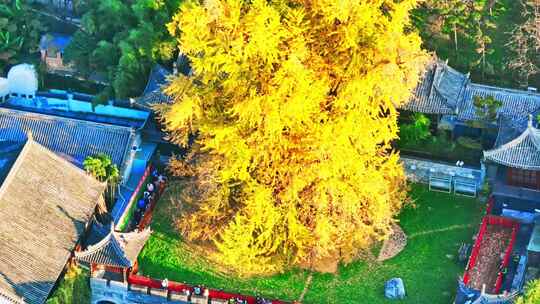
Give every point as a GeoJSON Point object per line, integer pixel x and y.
{"type": "Point", "coordinates": [122, 40]}
{"type": "Point", "coordinates": [104, 170]}
{"type": "Point", "coordinates": [20, 31]}
{"type": "Point", "coordinates": [531, 295]}
{"type": "Point", "coordinates": [73, 288]}
{"type": "Point", "coordinates": [417, 130]}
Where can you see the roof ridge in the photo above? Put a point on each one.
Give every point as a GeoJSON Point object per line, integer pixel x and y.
{"type": "Point", "coordinates": [31, 114]}
{"type": "Point", "coordinates": [43, 149]}
{"type": "Point", "coordinates": [487, 86]}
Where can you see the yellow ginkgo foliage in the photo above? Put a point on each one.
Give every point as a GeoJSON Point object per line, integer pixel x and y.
{"type": "Point", "coordinates": [293, 107]}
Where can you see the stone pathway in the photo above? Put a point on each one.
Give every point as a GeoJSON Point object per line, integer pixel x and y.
{"type": "Point", "coordinates": [449, 228]}
{"type": "Point", "coordinates": [306, 287]}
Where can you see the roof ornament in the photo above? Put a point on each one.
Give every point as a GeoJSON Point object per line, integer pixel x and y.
{"type": "Point", "coordinates": [446, 61]}
{"type": "Point", "coordinates": [468, 75]}
{"type": "Point", "coordinates": [530, 122]}
{"type": "Point", "coordinates": [29, 135]}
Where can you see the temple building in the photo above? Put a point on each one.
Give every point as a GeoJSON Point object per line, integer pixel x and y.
{"type": "Point", "coordinates": [514, 168]}
{"type": "Point", "coordinates": [46, 204]}
{"type": "Point", "coordinates": [111, 254]}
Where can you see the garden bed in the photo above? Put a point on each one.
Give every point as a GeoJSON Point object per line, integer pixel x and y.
{"type": "Point", "coordinates": [490, 254]}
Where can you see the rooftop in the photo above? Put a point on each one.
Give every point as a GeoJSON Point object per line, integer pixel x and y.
{"type": "Point", "coordinates": [54, 40]}
{"type": "Point", "coordinates": [79, 106]}
{"type": "Point", "coordinates": [114, 248]}
{"type": "Point", "coordinates": [443, 90]}
{"type": "Point", "coordinates": [47, 202]}
{"type": "Point", "coordinates": [73, 139]}
{"type": "Point", "coordinates": [523, 152]}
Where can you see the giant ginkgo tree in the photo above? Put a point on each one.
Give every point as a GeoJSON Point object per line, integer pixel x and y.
{"type": "Point", "coordinates": [293, 104]}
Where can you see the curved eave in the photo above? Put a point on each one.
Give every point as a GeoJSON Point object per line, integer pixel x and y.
{"type": "Point", "coordinates": [101, 253]}
{"type": "Point", "coordinates": [523, 152]}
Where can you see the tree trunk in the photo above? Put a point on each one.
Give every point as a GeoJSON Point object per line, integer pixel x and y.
{"type": "Point", "coordinates": [455, 38]}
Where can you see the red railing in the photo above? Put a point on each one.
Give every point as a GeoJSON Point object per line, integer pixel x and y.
{"type": "Point", "coordinates": [179, 287]}
{"type": "Point", "coordinates": [499, 221]}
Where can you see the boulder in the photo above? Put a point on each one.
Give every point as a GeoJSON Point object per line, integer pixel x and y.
{"type": "Point", "coordinates": [394, 289]}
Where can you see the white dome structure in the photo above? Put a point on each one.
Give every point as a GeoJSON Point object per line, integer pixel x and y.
{"type": "Point", "coordinates": [22, 80]}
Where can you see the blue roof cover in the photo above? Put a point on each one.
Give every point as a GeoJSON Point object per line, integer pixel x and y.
{"type": "Point", "coordinates": [60, 105]}
{"type": "Point", "coordinates": [158, 77]}
{"type": "Point", "coordinates": [72, 139]}
{"type": "Point", "coordinates": [9, 150]}
{"type": "Point", "coordinates": [54, 40]}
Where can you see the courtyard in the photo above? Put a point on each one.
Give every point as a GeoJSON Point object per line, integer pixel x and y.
{"type": "Point", "coordinates": [436, 224]}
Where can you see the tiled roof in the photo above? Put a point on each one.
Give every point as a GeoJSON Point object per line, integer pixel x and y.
{"type": "Point", "coordinates": [153, 93]}
{"type": "Point", "coordinates": [438, 91]}
{"type": "Point", "coordinates": [45, 203]}
{"type": "Point", "coordinates": [71, 138]}
{"type": "Point", "coordinates": [515, 103]}
{"type": "Point", "coordinates": [522, 152]}
{"type": "Point", "coordinates": [115, 249]}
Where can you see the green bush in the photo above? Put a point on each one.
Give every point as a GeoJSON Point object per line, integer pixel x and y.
{"type": "Point", "coordinates": [469, 143]}
{"type": "Point", "coordinates": [73, 288]}
{"type": "Point", "coordinates": [417, 130]}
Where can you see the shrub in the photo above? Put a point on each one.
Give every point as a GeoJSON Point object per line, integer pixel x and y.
{"type": "Point", "coordinates": [417, 130]}
{"type": "Point", "coordinates": [469, 143]}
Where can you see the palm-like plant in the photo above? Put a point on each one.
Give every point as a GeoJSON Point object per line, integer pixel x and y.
{"type": "Point", "coordinates": [104, 170]}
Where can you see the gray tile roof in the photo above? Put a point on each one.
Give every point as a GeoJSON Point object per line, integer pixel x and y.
{"type": "Point", "coordinates": [71, 138]}
{"type": "Point", "coordinates": [523, 152]}
{"type": "Point", "coordinates": [115, 249]}
{"type": "Point", "coordinates": [153, 93]}
{"type": "Point", "coordinates": [516, 103]}
{"type": "Point", "coordinates": [45, 204]}
{"type": "Point", "coordinates": [439, 90]}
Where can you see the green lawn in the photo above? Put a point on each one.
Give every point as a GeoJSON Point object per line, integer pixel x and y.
{"type": "Point", "coordinates": [436, 226]}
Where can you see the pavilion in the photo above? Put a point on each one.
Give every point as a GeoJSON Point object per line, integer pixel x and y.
{"type": "Point", "coordinates": [112, 254]}
{"type": "Point", "coordinates": [514, 167]}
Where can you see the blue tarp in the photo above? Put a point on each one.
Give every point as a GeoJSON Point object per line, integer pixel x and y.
{"type": "Point", "coordinates": [394, 289]}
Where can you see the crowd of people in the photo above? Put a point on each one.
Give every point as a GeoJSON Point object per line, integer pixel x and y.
{"type": "Point", "coordinates": [152, 190]}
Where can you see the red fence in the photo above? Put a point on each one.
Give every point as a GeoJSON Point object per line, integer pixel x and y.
{"type": "Point", "coordinates": [179, 287]}
{"type": "Point", "coordinates": [499, 221]}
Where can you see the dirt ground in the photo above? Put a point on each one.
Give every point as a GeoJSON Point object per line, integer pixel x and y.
{"type": "Point", "coordinates": [490, 257]}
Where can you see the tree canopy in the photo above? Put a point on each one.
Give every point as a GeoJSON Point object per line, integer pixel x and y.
{"type": "Point", "coordinates": [294, 107]}
{"type": "Point", "coordinates": [122, 40]}
{"type": "Point", "coordinates": [531, 295]}
{"type": "Point", "coordinates": [20, 31]}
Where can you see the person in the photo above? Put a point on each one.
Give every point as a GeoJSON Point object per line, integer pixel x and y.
{"type": "Point", "coordinates": [162, 178]}
{"type": "Point", "coordinates": [150, 187]}
{"type": "Point", "coordinates": [146, 194]}
{"type": "Point", "coordinates": [165, 283]}
{"type": "Point", "coordinates": [141, 204]}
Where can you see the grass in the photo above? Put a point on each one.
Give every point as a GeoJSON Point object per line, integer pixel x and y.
{"type": "Point", "coordinates": [73, 288]}
{"type": "Point", "coordinates": [125, 222]}
{"type": "Point", "coordinates": [436, 226]}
